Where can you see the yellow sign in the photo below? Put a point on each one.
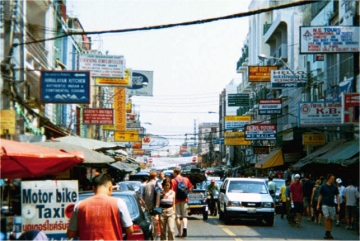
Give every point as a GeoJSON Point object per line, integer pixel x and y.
{"type": "Point", "coordinates": [313, 139]}
{"type": "Point", "coordinates": [235, 139]}
{"type": "Point", "coordinates": [108, 127]}
{"type": "Point", "coordinates": [129, 106]}
{"type": "Point", "coordinates": [120, 109]}
{"type": "Point", "coordinates": [116, 82]}
{"type": "Point", "coordinates": [237, 118]}
{"type": "Point", "coordinates": [126, 136]}
{"type": "Point", "coordinates": [7, 122]}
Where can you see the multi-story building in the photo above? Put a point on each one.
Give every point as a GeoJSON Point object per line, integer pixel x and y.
{"type": "Point", "coordinates": [207, 137]}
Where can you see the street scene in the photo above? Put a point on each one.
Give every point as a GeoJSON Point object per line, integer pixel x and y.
{"type": "Point", "coordinates": [179, 120]}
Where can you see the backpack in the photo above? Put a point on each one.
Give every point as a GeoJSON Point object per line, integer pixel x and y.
{"type": "Point", "coordinates": [182, 190]}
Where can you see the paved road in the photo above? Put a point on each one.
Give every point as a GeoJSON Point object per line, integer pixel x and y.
{"type": "Point", "coordinates": [213, 229]}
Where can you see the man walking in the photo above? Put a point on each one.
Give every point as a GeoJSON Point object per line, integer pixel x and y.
{"type": "Point", "coordinates": [351, 196]}
{"type": "Point", "coordinates": [308, 187]}
{"type": "Point", "coordinates": [328, 192]}
{"type": "Point", "coordinates": [272, 188]}
{"type": "Point", "coordinates": [149, 198]}
{"type": "Point", "coordinates": [100, 217]}
{"type": "Point", "coordinates": [296, 198]}
{"type": "Point", "coordinates": [178, 182]}
{"type": "Point", "coordinates": [339, 213]}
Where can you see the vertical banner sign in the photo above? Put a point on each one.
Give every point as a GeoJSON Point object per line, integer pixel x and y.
{"type": "Point", "coordinates": [7, 122]}
{"type": "Point", "coordinates": [47, 206]}
{"type": "Point", "coordinates": [351, 113]}
{"type": "Point", "coordinates": [120, 109]}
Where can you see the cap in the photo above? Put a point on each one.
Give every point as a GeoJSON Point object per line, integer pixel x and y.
{"type": "Point", "coordinates": [338, 180]}
{"type": "Point", "coordinates": [297, 176]}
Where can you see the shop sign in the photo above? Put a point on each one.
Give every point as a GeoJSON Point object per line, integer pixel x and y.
{"type": "Point", "coordinates": [7, 122]}
{"type": "Point", "coordinates": [238, 100]}
{"type": "Point", "coordinates": [260, 73]}
{"type": "Point", "coordinates": [65, 87]}
{"type": "Point", "coordinates": [313, 139]}
{"type": "Point", "coordinates": [103, 65]}
{"type": "Point", "coordinates": [236, 122]}
{"type": "Point", "coordinates": [319, 114]}
{"type": "Point", "coordinates": [119, 108]}
{"type": "Point", "coordinates": [47, 206]}
{"type": "Point", "coordinates": [351, 108]}
{"type": "Point", "coordinates": [137, 145]}
{"type": "Point", "coordinates": [329, 39]}
{"type": "Point", "coordinates": [98, 116]}
{"type": "Point", "coordinates": [260, 132]}
{"type": "Point", "coordinates": [150, 142]}
{"type": "Point", "coordinates": [235, 139]}
{"type": "Point", "coordinates": [261, 150]}
{"type": "Point", "coordinates": [142, 83]}
{"type": "Point", "coordinates": [115, 81]}
{"type": "Point", "coordinates": [286, 79]}
{"type": "Point", "coordinates": [126, 136]}
{"type": "Point", "coordinates": [270, 107]}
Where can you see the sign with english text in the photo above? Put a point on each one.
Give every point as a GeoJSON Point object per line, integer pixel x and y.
{"type": "Point", "coordinates": [260, 73]}
{"type": "Point", "coordinates": [236, 122]}
{"type": "Point", "coordinates": [260, 132]}
{"type": "Point", "coordinates": [319, 114]}
{"type": "Point", "coordinates": [47, 206]}
{"type": "Point", "coordinates": [115, 81]}
{"type": "Point", "coordinates": [287, 79]}
{"type": "Point", "coordinates": [98, 116]}
{"type": "Point", "coordinates": [103, 65]}
{"type": "Point", "coordinates": [351, 108]}
{"type": "Point", "coordinates": [270, 106]}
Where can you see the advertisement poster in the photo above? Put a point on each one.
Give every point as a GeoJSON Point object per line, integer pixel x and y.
{"type": "Point", "coordinates": [260, 132]}
{"type": "Point", "coordinates": [319, 114]}
{"type": "Point", "coordinates": [115, 81]}
{"type": "Point", "coordinates": [47, 206]}
{"type": "Point", "coordinates": [329, 39]}
{"type": "Point", "coordinates": [235, 139]}
{"type": "Point", "coordinates": [314, 139]}
{"type": "Point", "coordinates": [270, 106]}
{"type": "Point", "coordinates": [351, 108]}
{"type": "Point", "coordinates": [286, 79]}
{"type": "Point", "coordinates": [142, 83]}
{"type": "Point", "coordinates": [7, 122]}
{"type": "Point", "coordinates": [260, 73]}
{"type": "Point", "coordinates": [103, 65]}
{"type": "Point", "coordinates": [98, 116]}
{"type": "Point", "coordinates": [236, 122]}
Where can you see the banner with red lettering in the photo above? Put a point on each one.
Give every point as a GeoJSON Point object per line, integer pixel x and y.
{"type": "Point", "coordinates": [319, 114]}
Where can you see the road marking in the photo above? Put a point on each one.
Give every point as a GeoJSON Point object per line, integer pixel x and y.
{"type": "Point", "coordinates": [226, 230]}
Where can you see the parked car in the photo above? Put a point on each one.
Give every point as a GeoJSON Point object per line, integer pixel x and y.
{"type": "Point", "coordinates": [278, 204]}
{"type": "Point", "coordinates": [131, 186]}
{"type": "Point", "coordinates": [245, 198]}
{"type": "Point", "coordinates": [140, 218]}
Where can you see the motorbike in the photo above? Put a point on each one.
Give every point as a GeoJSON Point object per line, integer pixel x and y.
{"type": "Point", "coordinates": [213, 202]}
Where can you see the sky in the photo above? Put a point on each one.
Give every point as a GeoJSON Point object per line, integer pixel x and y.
{"type": "Point", "coordinates": [191, 64]}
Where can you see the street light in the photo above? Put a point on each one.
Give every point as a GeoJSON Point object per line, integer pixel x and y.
{"type": "Point", "coordinates": [263, 56]}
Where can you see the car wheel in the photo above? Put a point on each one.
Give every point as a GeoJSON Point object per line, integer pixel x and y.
{"type": "Point", "coordinates": [215, 211]}
{"type": "Point", "coordinates": [269, 221]}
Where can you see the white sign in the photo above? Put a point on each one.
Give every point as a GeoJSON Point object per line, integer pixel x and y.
{"type": "Point", "coordinates": [47, 206]}
{"type": "Point", "coordinates": [270, 106]}
{"type": "Point", "coordinates": [319, 114]}
{"type": "Point", "coordinates": [142, 83]}
{"type": "Point", "coordinates": [286, 78]}
{"type": "Point", "coordinates": [329, 39]}
{"type": "Point", "coordinates": [103, 65]}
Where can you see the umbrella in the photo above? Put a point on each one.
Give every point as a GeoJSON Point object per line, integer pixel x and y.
{"type": "Point", "coordinates": [88, 143]}
{"type": "Point", "coordinates": [91, 157]}
{"type": "Point", "coordinates": [25, 160]}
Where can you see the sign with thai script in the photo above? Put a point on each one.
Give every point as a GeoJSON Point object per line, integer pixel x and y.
{"type": "Point", "coordinates": [319, 114]}
{"type": "Point", "coordinates": [120, 108]}
{"type": "Point", "coordinates": [47, 206]}
{"type": "Point", "coordinates": [126, 136]}
{"type": "Point", "coordinates": [351, 108]}
{"type": "Point", "coordinates": [287, 79]}
{"type": "Point", "coordinates": [313, 139]}
{"type": "Point", "coordinates": [103, 65]}
{"type": "Point", "coordinates": [270, 106]}
{"type": "Point", "coordinates": [260, 132]}
{"type": "Point", "coordinates": [236, 122]}
{"type": "Point", "coordinates": [7, 122]}
{"type": "Point", "coordinates": [65, 87]}
{"type": "Point", "coordinates": [235, 139]}
{"type": "Point", "coordinates": [260, 73]}
{"type": "Point", "coordinates": [115, 81]}
{"type": "Point", "coordinates": [329, 39]}
{"type": "Point", "coordinates": [98, 116]}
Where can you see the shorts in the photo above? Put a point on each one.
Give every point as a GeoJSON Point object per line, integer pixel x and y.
{"type": "Point", "coordinates": [329, 212]}
{"type": "Point", "coordinates": [306, 201]}
{"type": "Point", "coordinates": [181, 209]}
{"type": "Point", "coordinates": [298, 208]}
{"type": "Point", "coordinates": [350, 211]}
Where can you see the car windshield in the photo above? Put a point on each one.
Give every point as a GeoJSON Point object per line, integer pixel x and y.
{"type": "Point", "coordinates": [247, 187]}
{"type": "Point", "coordinates": [279, 184]}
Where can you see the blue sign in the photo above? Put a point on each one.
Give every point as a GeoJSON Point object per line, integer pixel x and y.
{"type": "Point", "coordinates": [65, 87]}
{"type": "Point", "coordinates": [219, 141]}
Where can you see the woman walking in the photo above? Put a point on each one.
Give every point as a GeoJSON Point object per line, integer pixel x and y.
{"type": "Point", "coordinates": [314, 200]}
{"type": "Point", "coordinates": [166, 200]}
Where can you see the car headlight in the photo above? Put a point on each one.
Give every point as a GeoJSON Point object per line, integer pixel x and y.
{"type": "Point", "coordinates": [267, 205]}
{"type": "Point", "coordinates": [230, 203]}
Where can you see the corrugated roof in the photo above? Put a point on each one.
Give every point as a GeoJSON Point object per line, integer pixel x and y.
{"type": "Point", "coordinates": [339, 153]}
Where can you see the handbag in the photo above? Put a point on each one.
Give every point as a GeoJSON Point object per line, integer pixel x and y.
{"type": "Point", "coordinates": [156, 211]}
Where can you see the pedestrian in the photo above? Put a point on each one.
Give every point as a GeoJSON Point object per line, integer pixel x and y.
{"type": "Point", "coordinates": [296, 198]}
{"type": "Point", "coordinates": [161, 178]}
{"type": "Point", "coordinates": [339, 213]}
{"type": "Point", "coordinates": [181, 201]}
{"type": "Point", "coordinates": [149, 198]}
{"type": "Point", "coordinates": [100, 217]}
{"type": "Point", "coordinates": [308, 186]}
{"type": "Point", "coordinates": [272, 188]}
{"type": "Point", "coordinates": [314, 201]}
{"type": "Point", "coordinates": [166, 200]}
{"type": "Point", "coordinates": [328, 192]}
{"type": "Point", "coordinates": [351, 196]}
{"type": "Point", "coordinates": [283, 199]}
{"type": "Point", "coordinates": [290, 215]}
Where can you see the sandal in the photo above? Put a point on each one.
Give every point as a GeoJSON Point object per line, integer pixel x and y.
{"type": "Point", "coordinates": [179, 236]}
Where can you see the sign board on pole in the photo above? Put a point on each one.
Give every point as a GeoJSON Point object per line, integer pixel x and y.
{"type": "Point", "coordinates": [329, 39]}
{"type": "Point", "coordinates": [236, 122]}
{"type": "Point", "coordinates": [260, 132]}
{"type": "Point", "coordinates": [98, 116]}
{"type": "Point", "coordinates": [103, 65]}
{"type": "Point", "coordinates": [260, 73]}
{"type": "Point", "coordinates": [238, 100]}
{"type": "Point", "coordinates": [7, 122]}
{"type": "Point", "coordinates": [261, 150]}
{"type": "Point", "coordinates": [126, 136]}
{"type": "Point", "coordinates": [286, 79]}
{"type": "Point", "coordinates": [115, 81]}
{"type": "Point", "coordinates": [313, 139]}
{"type": "Point", "coordinates": [142, 83]}
{"type": "Point", "coordinates": [235, 139]}
{"type": "Point", "coordinates": [120, 109]}
{"type": "Point", "coordinates": [319, 114]}
{"type": "Point", "coordinates": [351, 108]}
{"type": "Point", "coordinates": [65, 87]}
{"type": "Point", "coordinates": [47, 206]}
{"type": "Point", "coordinates": [270, 106]}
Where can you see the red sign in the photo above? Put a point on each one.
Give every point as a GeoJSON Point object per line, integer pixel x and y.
{"type": "Point", "coordinates": [351, 106]}
{"type": "Point", "coordinates": [137, 145]}
{"type": "Point", "coordinates": [98, 116]}
{"type": "Point", "coordinates": [261, 73]}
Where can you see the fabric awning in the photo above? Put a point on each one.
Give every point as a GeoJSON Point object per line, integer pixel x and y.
{"type": "Point", "coordinates": [339, 153]}
{"type": "Point", "coordinates": [322, 150]}
{"type": "Point", "coordinates": [273, 159]}
{"type": "Point", "coordinates": [89, 143]}
{"type": "Point", "coordinates": [126, 167]}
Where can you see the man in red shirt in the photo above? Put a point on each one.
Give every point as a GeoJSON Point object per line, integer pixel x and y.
{"type": "Point", "coordinates": [100, 217]}
{"type": "Point", "coordinates": [296, 198]}
{"type": "Point", "coordinates": [180, 204]}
